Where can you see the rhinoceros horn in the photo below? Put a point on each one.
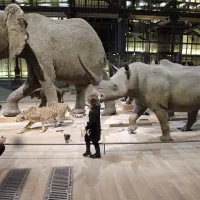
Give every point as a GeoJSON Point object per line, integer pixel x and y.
{"type": "Point", "coordinates": [94, 79]}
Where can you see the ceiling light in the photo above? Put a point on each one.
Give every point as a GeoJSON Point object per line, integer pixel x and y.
{"type": "Point", "coordinates": [128, 3]}
{"type": "Point", "coordinates": [163, 4]}
{"type": "Point", "coordinates": [182, 4]}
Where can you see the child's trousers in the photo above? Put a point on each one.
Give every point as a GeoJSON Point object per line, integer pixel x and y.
{"type": "Point", "coordinates": [96, 145]}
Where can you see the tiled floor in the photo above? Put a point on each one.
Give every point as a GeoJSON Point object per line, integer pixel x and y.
{"type": "Point", "coordinates": [161, 171]}
{"type": "Point", "coordinates": [125, 172]}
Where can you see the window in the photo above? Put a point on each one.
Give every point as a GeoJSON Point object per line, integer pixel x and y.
{"type": "Point", "coordinates": [7, 70]}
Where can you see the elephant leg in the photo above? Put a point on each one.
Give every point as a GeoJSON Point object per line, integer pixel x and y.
{"type": "Point", "coordinates": [31, 84]}
{"type": "Point", "coordinates": [46, 79]}
{"type": "Point", "coordinates": [110, 108]}
{"type": "Point", "coordinates": [162, 116]}
{"type": "Point", "coordinates": [49, 89]}
{"type": "Point", "coordinates": [43, 100]}
{"type": "Point", "coordinates": [12, 108]}
{"type": "Point", "coordinates": [192, 117]}
{"type": "Point", "coordinates": [60, 99]}
{"type": "Point", "coordinates": [44, 69]}
{"type": "Point", "coordinates": [60, 95]}
{"type": "Point", "coordinates": [170, 115]}
{"type": "Point", "coordinates": [80, 100]}
{"type": "Point", "coordinates": [137, 112]}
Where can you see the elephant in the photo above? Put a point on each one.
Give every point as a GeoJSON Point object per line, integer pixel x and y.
{"type": "Point", "coordinates": [39, 94]}
{"type": "Point", "coordinates": [161, 89]}
{"type": "Point", "coordinates": [50, 48]}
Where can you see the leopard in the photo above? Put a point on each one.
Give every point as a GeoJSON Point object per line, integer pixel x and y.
{"type": "Point", "coordinates": [54, 112]}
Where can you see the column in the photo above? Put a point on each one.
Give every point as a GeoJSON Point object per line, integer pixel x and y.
{"type": "Point", "coordinates": [121, 35]}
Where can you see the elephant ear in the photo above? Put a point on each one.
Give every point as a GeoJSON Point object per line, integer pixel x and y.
{"type": "Point", "coordinates": [16, 29]}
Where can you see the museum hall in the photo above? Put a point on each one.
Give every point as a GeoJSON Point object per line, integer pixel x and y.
{"type": "Point", "coordinates": [115, 120]}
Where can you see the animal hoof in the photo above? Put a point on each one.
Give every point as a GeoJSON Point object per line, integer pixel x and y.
{"type": "Point", "coordinates": [132, 127]}
{"type": "Point", "coordinates": [44, 130]}
{"type": "Point", "coordinates": [184, 129]}
{"type": "Point", "coordinates": [166, 138]}
{"type": "Point", "coordinates": [131, 132]}
{"type": "Point", "coordinates": [11, 113]}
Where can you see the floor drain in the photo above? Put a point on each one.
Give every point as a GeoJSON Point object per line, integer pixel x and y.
{"type": "Point", "coordinates": [59, 185]}
{"type": "Point", "coordinates": [13, 183]}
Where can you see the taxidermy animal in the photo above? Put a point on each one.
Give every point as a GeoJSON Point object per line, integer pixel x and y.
{"type": "Point", "coordinates": [39, 94]}
{"type": "Point", "coordinates": [167, 63]}
{"type": "Point", "coordinates": [161, 89]}
{"type": "Point", "coordinates": [114, 70]}
{"type": "Point", "coordinates": [50, 48]}
{"type": "Point", "coordinates": [191, 118]}
{"type": "Point", "coordinates": [128, 100]}
{"type": "Point", "coordinates": [54, 112]}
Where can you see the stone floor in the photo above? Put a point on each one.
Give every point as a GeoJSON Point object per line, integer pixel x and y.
{"type": "Point", "coordinates": [126, 172]}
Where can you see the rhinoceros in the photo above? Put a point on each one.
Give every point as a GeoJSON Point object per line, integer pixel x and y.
{"type": "Point", "coordinates": [192, 119]}
{"type": "Point", "coordinates": [161, 89]}
{"type": "Point", "coordinates": [167, 63]}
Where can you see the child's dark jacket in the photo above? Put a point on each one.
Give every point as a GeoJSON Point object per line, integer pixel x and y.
{"type": "Point", "coordinates": [94, 124]}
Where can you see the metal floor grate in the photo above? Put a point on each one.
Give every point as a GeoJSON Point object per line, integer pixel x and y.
{"type": "Point", "coordinates": [59, 184]}
{"type": "Point", "coordinates": [13, 183]}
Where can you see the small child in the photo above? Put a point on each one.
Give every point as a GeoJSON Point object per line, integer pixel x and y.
{"type": "Point", "coordinates": [2, 146]}
{"type": "Point", "coordinates": [93, 127]}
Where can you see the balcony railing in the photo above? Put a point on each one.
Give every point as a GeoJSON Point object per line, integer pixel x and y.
{"type": "Point", "coordinates": [115, 5]}
{"type": "Point", "coordinates": [111, 6]}
{"type": "Point", "coordinates": [192, 6]}
{"type": "Point", "coordinates": [48, 3]}
{"type": "Point", "coordinates": [64, 3]}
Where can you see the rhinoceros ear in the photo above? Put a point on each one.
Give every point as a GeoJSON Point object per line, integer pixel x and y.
{"type": "Point", "coordinates": [127, 70]}
{"type": "Point", "coordinates": [16, 29]}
